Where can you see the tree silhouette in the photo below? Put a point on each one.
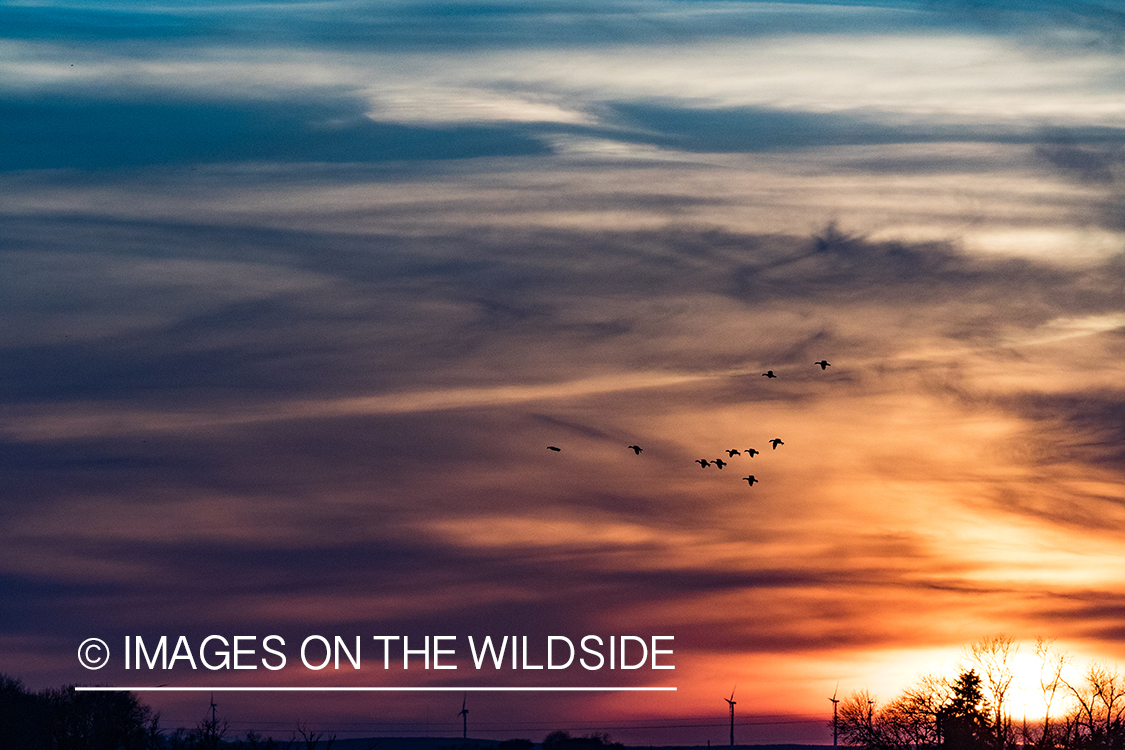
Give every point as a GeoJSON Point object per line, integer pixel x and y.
{"type": "Point", "coordinates": [964, 722]}
{"type": "Point", "coordinates": [1098, 723]}
{"type": "Point", "coordinates": [66, 719]}
{"type": "Point", "coordinates": [857, 724]}
{"type": "Point", "coordinates": [1051, 665]}
{"type": "Point", "coordinates": [1087, 713]}
{"type": "Point", "coordinates": [934, 712]}
{"type": "Point", "coordinates": [21, 717]}
{"type": "Point", "coordinates": [994, 656]}
{"type": "Point", "coordinates": [311, 738]}
{"type": "Point", "coordinates": [208, 733]}
{"type": "Point", "coordinates": [560, 740]}
{"type": "Point", "coordinates": [911, 720]}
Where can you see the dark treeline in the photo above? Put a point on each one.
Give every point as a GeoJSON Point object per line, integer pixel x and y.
{"type": "Point", "coordinates": [61, 719]}
{"type": "Point", "coordinates": [66, 719]}
{"type": "Point", "coordinates": [972, 710]}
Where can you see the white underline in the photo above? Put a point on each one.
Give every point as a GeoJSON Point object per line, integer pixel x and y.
{"type": "Point", "coordinates": [323, 689]}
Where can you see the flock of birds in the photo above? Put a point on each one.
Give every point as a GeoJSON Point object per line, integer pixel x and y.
{"type": "Point", "coordinates": [731, 452]}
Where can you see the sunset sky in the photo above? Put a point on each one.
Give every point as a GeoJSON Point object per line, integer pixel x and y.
{"type": "Point", "coordinates": [295, 295]}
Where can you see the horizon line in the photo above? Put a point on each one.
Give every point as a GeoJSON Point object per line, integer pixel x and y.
{"type": "Point", "coordinates": [383, 689]}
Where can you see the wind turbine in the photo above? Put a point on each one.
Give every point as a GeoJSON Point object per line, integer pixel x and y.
{"type": "Point", "coordinates": [464, 714]}
{"type": "Point", "coordinates": [834, 723]}
{"type": "Point", "coordinates": [731, 701]}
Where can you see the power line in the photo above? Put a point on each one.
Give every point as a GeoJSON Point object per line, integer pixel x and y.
{"type": "Point", "coordinates": [506, 726]}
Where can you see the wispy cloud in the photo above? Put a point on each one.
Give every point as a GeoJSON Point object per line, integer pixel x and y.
{"type": "Point", "coordinates": [297, 295]}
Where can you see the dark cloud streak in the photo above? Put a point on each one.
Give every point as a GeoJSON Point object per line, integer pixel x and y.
{"type": "Point", "coordinates": [391, 310]}
{"type": "Point", "coordinates": [444, 26]}
{"type": "Point", "coordinates": [73, 132]}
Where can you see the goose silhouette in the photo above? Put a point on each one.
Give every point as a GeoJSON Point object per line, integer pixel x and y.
{"type": "Point", "coordinates": [824, 364]}
{"type": "Point", "coordinates": [751, 452]}
{"type": "Point", "coordinates": [553, 448]}
{"type": "Point", "coordinates": [703, 463]}
{"type": "Point", "coordinates": [719, 462]}
{"type": "Point", "coordinates": [636, 449]}
{"type": "Point", "coordinates": [732, 453]}
{"type": "Point", "coordinates": [776, 442]}
{"type": "Point", "coordinates": [750, 480]}
{"type": "Point", "coordinates": [768, 374]}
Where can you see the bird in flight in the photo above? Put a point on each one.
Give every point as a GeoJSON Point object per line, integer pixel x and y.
{"type": "Point", "coordinates": [553, 448]}
{"type": "Point", "coordinates": [719, 462]}
{"type": "Point", "coordinates": [824, 364]}
{"type": "Point", "coordinates": [703, 463]}
{"type": "Point", "coordinates": [733, 452]}
{"type": "Point", "coordinates": [750, 480]}
{"type": "Point", "coordinates": [636, 449]}
{"type": "Point", "coordinates": [776, 442]}
{"type": "Point", "coordinates": [751, 452]}
{"type": "Point", "coordinates": [768, 374]}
